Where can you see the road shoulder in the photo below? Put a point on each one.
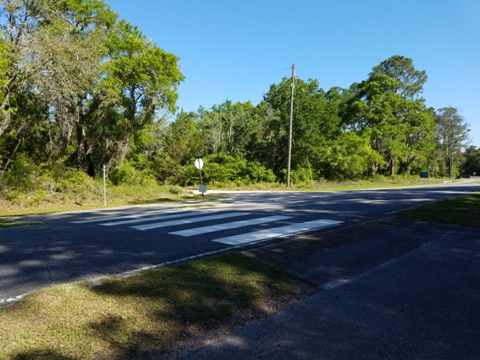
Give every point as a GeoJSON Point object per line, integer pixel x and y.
{"type": "Point", "coordinates": [408, 292]}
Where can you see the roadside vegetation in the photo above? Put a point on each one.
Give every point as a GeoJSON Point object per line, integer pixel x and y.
{"type": "Point", "coordinates": [31, 191]}
{"type": "Point", "coordinates": [6, 223]}
{"type": "Point", "coordinates": [463, 211]}
{"type": "Point", "coordinates": [83, 91]}
{"type": "Point", "coordinates": [119, 318]}
{"type": "Point", "coordinates": [35, 192]}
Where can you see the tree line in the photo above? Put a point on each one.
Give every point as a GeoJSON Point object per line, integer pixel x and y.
{"type": "Point", "coordinates": [82, 88]}
{"type": "Point", "coordinates": [379, 126]}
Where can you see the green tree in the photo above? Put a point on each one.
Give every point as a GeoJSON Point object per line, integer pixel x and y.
{"type": "Point", "coordinates": [408, 80]}
{"type": "Point", "coordinates": [230, 127]}
{"type": "Point", "coordinates": [56, 49]}
{"type": "Point", "coordinates": [471, 162]}
{"type": "Point", "coordinates": [453, 133]}
{"type": "Point", "coordinates": [351, 157]}
{"type": "Point", "coordinates": [315, 124]}
{"type": "Point", "coordinates": [53, 53]}
{"type": "Point", "coordinates": [4, 63]}
{"type": "Point", "coordinates": [101, 80]}
{"type": "Point", "coordinates": [138, 83]}
{"type": "Point", "coordinates": [30, 132]}
{"type": "Point", "coordinates": [181, 142]}
{"type": "Point", "coordinates": [388, 107]}
{"type": "Point", "coordinates": [16, 39]}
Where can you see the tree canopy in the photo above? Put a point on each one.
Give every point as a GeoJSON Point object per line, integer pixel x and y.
{"type": "Point", "coordinates": [84, 81]}
{"type": "Point", "coordinates": [81, 88]}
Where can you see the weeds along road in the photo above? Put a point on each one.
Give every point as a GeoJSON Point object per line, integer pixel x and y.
{"type": "Point", "coordinates": [73, 246]}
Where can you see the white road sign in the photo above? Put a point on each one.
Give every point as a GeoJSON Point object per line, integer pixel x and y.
{"type": "Point", "coordinates": [198, 163]}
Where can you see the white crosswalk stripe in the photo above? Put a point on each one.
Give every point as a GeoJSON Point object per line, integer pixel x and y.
{"type": "Point", "coordinates": [276, 232]}
{"type": "Point", "coordinates": [136, 216]}
{"type": "Point", "coordinates": [151, 218]}
{"type": "Point", "coordinates": [188, 221]}
{"type": "Point", "coordinates": [163, 219]}
{"type": "Point", "coordinates": [227, 226]}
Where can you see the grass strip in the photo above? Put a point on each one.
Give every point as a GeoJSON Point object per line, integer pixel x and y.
{"type": "Point", "coordinates": [377, 183]}
{"type": "Point", "coordinates": [5, 223]}
{"type": "Point", "coordinates": [463, 211]}
{"type": "Point", "coordinates": [90, 196]}
{"type": "Point", "coordinates": [119, 318]}
{"type": "Point", "coordinates": [46, 208]}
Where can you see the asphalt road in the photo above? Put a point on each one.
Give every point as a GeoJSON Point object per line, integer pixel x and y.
{"type": "Point", "coordinates": [80, 245]}
{"type": "Point", "coordinates": [409, 293]}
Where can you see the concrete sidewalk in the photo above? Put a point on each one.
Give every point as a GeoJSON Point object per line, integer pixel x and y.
{"type": "Point", "coordinates": [412, 291]}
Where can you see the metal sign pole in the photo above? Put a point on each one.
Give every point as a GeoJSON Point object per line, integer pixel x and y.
{"type": "Point", "coordinates": [104, 186]}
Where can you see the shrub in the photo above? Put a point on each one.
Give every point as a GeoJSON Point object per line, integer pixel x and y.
{"type": "Point", "coordinates": [23, 174]}
{"type": "Point", "coordinates": [175, 190]}
{"type": "Point", "coordinates": [128, 174]}
{"type": "Point", "coordinates": [224, 168]}
{"type": "Point", "coordinates": [301, 175]}
{"type": "Point", "coordinates": [258, 173]}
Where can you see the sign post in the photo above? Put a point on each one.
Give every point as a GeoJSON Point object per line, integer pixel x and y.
{"type": "Point", "coordinates": [199, 165]}
{"type": "Point", "coordinates": [104, 185]}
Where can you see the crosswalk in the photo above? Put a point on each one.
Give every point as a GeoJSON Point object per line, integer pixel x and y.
{"type": "Point", "coordinates": [228, 226]}
{"type": "Point", "coordinates": [276, 232]}
{"type": "Point", "coordinates": [200, 220]}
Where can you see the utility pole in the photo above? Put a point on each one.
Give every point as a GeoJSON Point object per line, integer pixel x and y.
{"type": "Point", "coordinates": [289, 184]}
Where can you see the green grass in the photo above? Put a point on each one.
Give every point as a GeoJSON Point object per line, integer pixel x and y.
{"type": "Point", "coordinates": [117, 196]}
{"type": "Point", "coordinates": [378, 182]}
{"type": "Point", "coordinates": [6, 223]}
{"type": "Point", "coordinates": [119, 318]}
{"type": "Point", "coordinates": [89, 195]}
{"type": "Point", "coordinates": [463, 211]}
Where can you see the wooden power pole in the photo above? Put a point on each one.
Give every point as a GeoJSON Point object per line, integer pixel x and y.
{"type": "Point", "coordinates": [289, 183]}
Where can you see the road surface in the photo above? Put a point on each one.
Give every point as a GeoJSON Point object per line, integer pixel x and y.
{"type": "Point", "coordinates": [80, 245]}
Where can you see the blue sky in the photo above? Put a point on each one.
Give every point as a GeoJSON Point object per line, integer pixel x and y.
{"type": "Point", "coordinates": [236, 49]}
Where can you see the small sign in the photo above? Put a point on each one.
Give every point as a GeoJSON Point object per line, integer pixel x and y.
{"type": "Point", "coordinates": [198, 163]}
{"type": "Point", "coordinates": [202, 188]}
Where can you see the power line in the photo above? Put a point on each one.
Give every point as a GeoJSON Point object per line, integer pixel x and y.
{"type": "Point", "coordinates": [233, 80]}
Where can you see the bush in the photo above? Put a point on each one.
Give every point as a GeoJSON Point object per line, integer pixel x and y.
{"type": "Point", "coordinates": [258, 173]}
{"type": "Point", "coordinates": [301, 175]}
{"type": "Point", "coordinates": [127, 174]}
{"type": "Point", "coordinates": [227, 169]}
{"type": "Point", "coordinates": [175, 190]}
{"type": "Point", "coordinates": [224, 168]}
{"type": "Point", "coordinates": [23, 174]}
{"type": "Point", "coordinates": [75, 185]}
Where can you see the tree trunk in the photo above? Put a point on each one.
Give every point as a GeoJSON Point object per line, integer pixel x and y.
{"type": "Point", "coordinates": [450, 165]}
